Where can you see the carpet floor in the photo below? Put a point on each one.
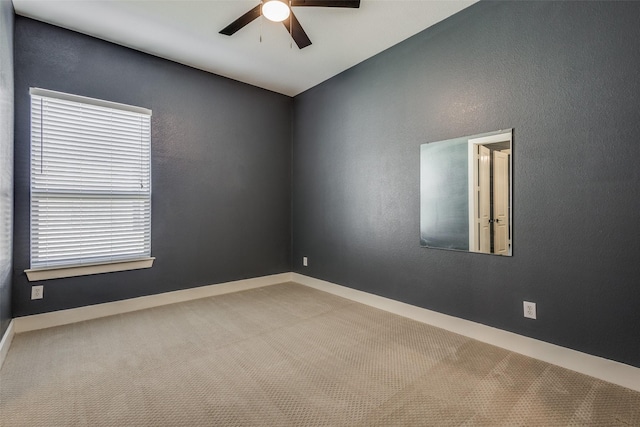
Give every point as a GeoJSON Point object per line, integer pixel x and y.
{"type": "Point", "coordinates": [288, 355]}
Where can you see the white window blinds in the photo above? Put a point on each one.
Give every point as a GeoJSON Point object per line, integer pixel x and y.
{"type": "Point", "coordinates": [90, 181]}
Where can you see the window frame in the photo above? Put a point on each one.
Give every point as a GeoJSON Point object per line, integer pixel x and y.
{"type": "Point", "coordinates": [71, 269]}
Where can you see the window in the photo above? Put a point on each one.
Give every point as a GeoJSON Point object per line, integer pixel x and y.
{"type": "Point", "coordinates": [90, 186]}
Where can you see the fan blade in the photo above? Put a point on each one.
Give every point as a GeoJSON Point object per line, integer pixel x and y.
{"type": "Point", "coordinates": [299, 36]}
{"type": "Point", "coordinates": [326, 3]}
{"type": "Point", "coordinates": [242, 21]}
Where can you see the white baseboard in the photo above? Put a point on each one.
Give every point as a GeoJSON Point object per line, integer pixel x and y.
{"type": "Point", "coordinates": [73, 315]}
{"type": "Point", "coordinates": [5, 342]}
{"type": "Point", "coordinates": [594, 366]}
{"type": "Point", "coordinates": [598, 367]}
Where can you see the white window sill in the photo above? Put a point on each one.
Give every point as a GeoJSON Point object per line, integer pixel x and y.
{"type": "Point", "coordinates": [87, 269]}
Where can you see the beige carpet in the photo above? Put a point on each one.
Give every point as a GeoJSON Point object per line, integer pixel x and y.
{"type": "Point", "coordinates": [288, 355]}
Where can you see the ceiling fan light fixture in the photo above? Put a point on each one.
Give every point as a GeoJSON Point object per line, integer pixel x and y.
{"type": "Point", "coordinates": [275, 10]}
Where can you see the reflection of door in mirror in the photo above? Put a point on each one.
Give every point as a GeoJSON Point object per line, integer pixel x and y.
{"type": "Point", "coordinates": [500, 203]}
{"type": "Point", "coordinates": [482, 205]}
{"type": "Point", "coordinates": [489, 230]}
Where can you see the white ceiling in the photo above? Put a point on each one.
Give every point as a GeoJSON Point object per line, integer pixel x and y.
{"type": "Point", "coordinates": [186, 31]}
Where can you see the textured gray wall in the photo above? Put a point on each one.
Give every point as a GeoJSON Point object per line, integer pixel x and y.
{"type": "Point", "coordinates": [221, 167]}
{"type": "Point", "coordinates": [6, 161]}
{"type": "Point", "coordinates": [564, 75]}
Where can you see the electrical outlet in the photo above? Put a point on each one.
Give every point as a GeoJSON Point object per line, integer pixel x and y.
{"type": "Point", "coordinates": [305, 262]}
{"type": "Point", "coordinates": [37, 292]}
{"type": "Point", "coordinates": [530, 310]}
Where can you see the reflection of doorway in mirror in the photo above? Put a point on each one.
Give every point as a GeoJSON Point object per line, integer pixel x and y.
{"type": "Point", "coordinates": [500, 198]}
{"type": "Point", "coordinates": [489, 173]}
{"type": "Point", "coordinates": [482, 198]}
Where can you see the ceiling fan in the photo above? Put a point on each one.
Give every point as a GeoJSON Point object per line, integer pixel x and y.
{"type": "Point", "coordinates": [287, 17]}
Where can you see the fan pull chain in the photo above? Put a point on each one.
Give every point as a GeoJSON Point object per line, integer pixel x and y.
{"type": "Point", "coordinates": [290, 26]}
{"type": "Point", "coordinates": [261, 21]}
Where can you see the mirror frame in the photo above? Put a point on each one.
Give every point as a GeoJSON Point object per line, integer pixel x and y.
{"type": "Point", "coordinates": [474, 221]}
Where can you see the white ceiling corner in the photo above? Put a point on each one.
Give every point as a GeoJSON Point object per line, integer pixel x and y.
{"type": "Point", "coordinates": [186, 31]}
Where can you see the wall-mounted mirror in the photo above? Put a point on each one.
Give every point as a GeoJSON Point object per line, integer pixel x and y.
{"type": "Point", "coordinates": [466, 193]}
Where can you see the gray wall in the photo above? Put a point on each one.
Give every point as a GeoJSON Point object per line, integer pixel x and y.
{"type": "Point", "coordinates": [564, 75]}
{"type": "Point", "coordinates": [6, 161]}
{"type": "Point", "coordinates": [221, 167]}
